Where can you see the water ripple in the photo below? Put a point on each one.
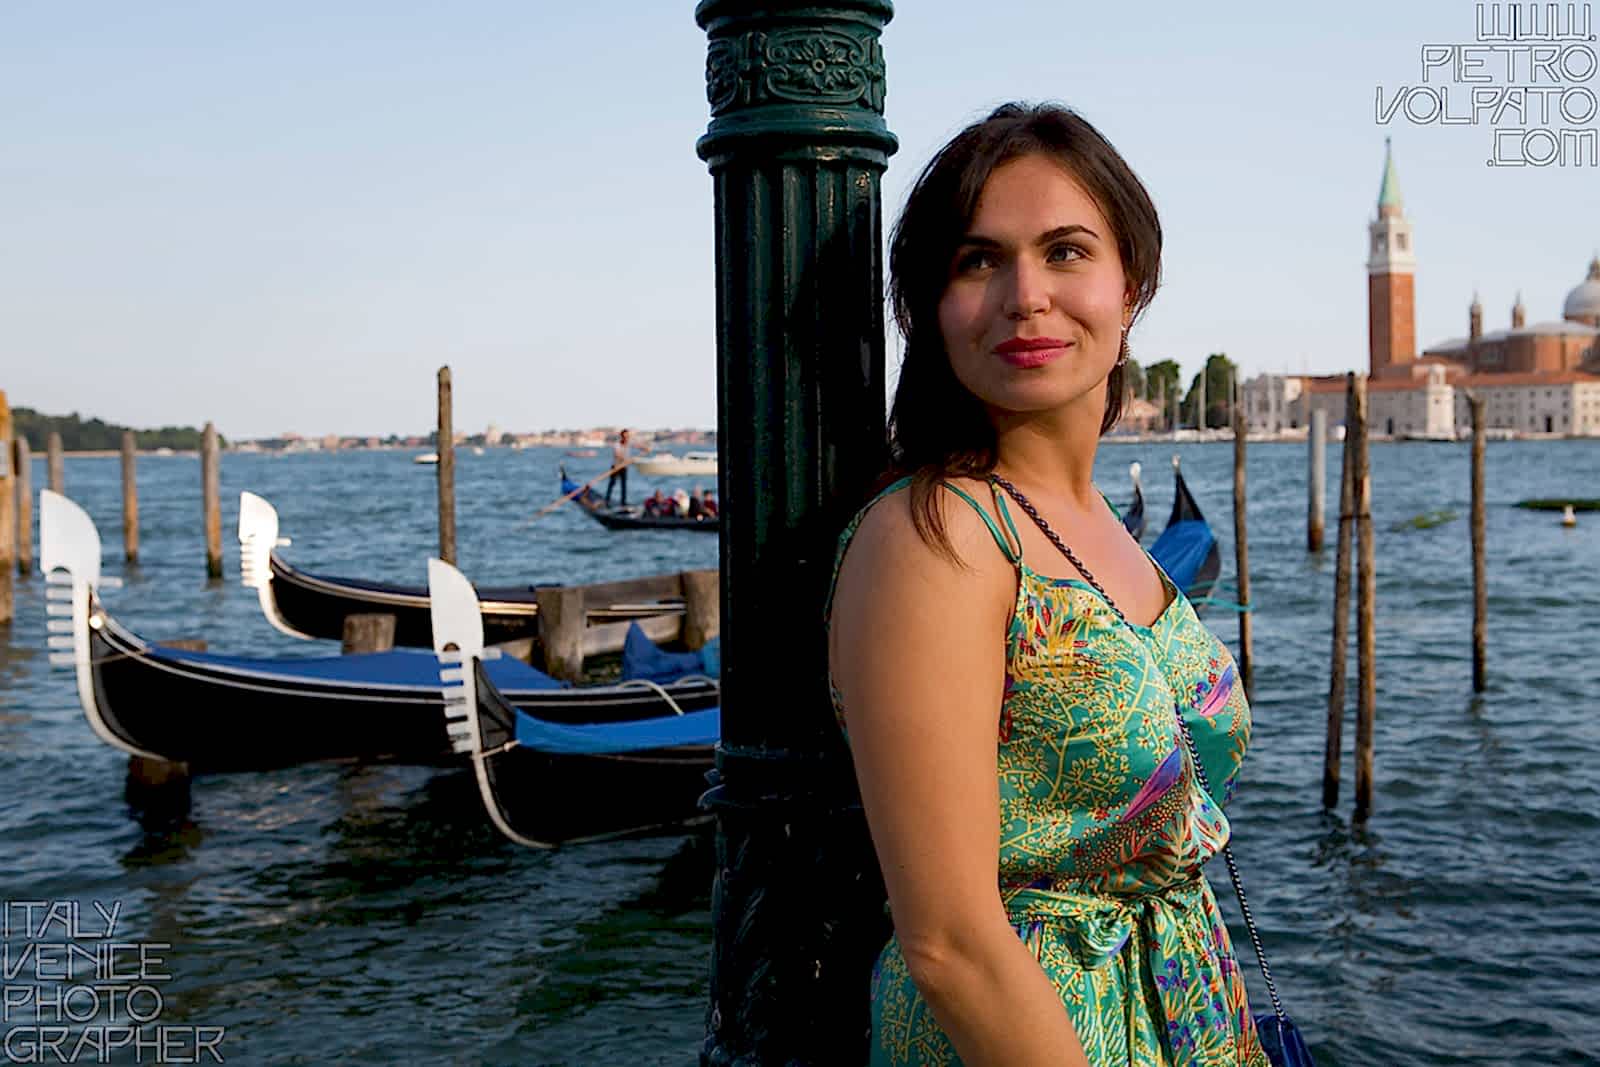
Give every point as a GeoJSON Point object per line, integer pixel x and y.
{"type": "Point", "coordinates": [369, 915]}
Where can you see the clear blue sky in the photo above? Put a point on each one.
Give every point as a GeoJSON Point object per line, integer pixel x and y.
{"type": "Point", "coordinates": [286, 217]}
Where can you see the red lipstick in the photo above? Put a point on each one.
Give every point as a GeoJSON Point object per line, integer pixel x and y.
{"type": "Point", "coordinates": [1031, 351]}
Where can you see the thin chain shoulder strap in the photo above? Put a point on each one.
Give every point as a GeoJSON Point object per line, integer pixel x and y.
{"type": "Point", "coordinates": [1183, 728]}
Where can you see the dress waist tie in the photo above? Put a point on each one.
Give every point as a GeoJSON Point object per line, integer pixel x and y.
{"type": "Point", "coordinates": [1096, 929]}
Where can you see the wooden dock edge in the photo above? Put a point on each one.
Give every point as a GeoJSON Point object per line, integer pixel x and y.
{"type": "Point", "coordinates": [567, 636]}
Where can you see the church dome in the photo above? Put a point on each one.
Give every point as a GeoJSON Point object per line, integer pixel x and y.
{"type": "Point", "coordinates": [1583, 303]}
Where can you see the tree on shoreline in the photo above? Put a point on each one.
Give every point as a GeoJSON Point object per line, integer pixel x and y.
{"type": "Point", "coordinates": [1161, 384]}
{"type": "Point", "coordinates": [93, 435]}
{"type": "Point", "coordinates": [1220, 373]}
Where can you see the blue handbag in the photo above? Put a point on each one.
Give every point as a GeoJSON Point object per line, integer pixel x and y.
{"type": "Point", "coordinates": [1281, 1040]}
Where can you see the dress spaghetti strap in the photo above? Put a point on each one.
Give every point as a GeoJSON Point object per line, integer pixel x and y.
{"type": "Point", "coordinates": [1012, 554]}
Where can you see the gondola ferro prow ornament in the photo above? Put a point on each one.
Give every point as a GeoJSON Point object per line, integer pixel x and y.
{"type": "Point", "coordinates": [458, 643]}
{"type": "Point", "coordinates": [638, 769]}
{"type": "Point", "coordinates": [69, 555]}
{"type": "Point", "coordinates": [258, 536]}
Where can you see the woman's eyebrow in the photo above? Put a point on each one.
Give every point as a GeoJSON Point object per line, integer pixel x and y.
{"type": "Point", "coordinates": [978, 240]}
{"type": "Point", "coordinates": [1065, 231]}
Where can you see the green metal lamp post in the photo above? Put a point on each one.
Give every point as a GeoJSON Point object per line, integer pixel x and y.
{"type": "Point", "coordinates": [796, 147]}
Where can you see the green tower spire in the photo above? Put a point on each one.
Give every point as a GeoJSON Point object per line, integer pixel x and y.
{"type": "Point", "coordinates": [1389, 191]}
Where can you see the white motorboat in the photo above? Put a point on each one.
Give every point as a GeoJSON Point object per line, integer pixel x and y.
{"type": "Point", "coordinates": [426, 457]}
{"type": "Point", "coordinates": [690, 463]}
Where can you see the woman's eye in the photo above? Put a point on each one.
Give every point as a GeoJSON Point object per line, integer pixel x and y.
{"type": "Point", "coordinates": [975, 259]}
{"type": "Point", "coordinates": [1064, 253]}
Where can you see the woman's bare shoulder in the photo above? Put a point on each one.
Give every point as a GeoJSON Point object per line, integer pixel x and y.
{"type": "Point", "coordinates": [888, 545]}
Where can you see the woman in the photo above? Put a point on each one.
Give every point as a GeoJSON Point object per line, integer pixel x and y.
{"type": "Point", "coordinates": [1011, 709]}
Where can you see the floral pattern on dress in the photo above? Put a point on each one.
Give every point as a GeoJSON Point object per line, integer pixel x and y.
{"type": "Point", "coordinates": [1104, 829]}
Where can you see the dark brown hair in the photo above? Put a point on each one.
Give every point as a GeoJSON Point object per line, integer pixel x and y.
{"type": "Point", "coordinates": [937, 428]}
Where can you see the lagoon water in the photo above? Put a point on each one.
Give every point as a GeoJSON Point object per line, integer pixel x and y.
{"type": "Point", "coordinates": [370, 915]}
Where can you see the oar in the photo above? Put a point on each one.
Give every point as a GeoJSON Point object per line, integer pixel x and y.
{"type": "Point", "coordinates": [551, 507]}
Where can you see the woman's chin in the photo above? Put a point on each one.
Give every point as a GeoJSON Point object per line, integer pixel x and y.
{"type": "Point", "coordinates": [1043, 400]}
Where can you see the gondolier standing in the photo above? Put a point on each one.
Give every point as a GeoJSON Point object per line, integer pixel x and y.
{"type": "Point", "coordinates": [620, 459]}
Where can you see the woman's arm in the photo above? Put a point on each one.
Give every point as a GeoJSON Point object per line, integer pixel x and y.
{"type": "Point", "coordinates": [917, 648]}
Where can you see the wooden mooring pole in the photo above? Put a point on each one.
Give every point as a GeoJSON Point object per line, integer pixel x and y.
{"type": "Point", "coordinates": [1366, 605]}
{"type": "Point", "coordinates": [562, 620]}
{"type": "Point", "coordinates": [1332, 751]}
{"type": "Point", "coordinates": [158, 790]}
{"type": "Point", "coordinates": [447, 471]}
{"type": "Point", "coordinates": [1317, 478]}
{"type": "Point", "coordinates": [8, 518]}
{"type": "Point", "coordinates": [1480, 572]}
{"type": "Point", "coordinates": [54, 463]}
{"type": "Point", "coordinates": [702, 607]}
{"type": "Point", "coordinates": [797, 902]}
{"type": "Point", "coordinates": [211, 486]}
{"type": "Point", "coordinates": [367, 632]}
{"type": "Point", "coordinates": [1241, 549]}
{"type": "Point", "coordinates": [23, 470]}
{"type": "Point", "coordinates": [130, 499]}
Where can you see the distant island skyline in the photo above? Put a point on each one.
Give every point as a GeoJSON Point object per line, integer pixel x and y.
{"type": "Point", "coordinates": [95, 435]}
{"type": "Point", "coordinates": [491, 437]}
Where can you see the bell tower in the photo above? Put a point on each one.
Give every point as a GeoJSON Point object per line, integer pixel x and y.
{"type": "Point", "coordinates": [1391, 271]}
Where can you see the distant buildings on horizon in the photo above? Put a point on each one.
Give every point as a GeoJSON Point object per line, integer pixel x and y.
{"type": "Point", "coordinates": [491, 437]}
{"type": "Point", "coordinates": [1538, 379]}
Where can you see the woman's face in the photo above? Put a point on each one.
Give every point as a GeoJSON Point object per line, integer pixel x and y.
{"type": "Point", "coordinates": [1033, 312]}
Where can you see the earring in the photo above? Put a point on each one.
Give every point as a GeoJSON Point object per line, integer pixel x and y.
{"type": "Point", "coordinates": [1122, 354]}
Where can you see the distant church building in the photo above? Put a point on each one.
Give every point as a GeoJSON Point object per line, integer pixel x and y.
{"type": "Point", "coordinates": [1543, 378]}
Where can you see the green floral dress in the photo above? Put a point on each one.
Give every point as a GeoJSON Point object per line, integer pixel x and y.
{"type": "Point", "coordinates": [1104, 828]}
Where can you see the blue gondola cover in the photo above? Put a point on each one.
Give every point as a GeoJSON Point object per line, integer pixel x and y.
{"type": "Point", "coordinates": [693, 728]}
{"type": "Point", "coordinates": [410, 667]}
{"type": "Point", "coordinates": [643, 660]}
{"type": "Point", "coordinates": [1182, 549]}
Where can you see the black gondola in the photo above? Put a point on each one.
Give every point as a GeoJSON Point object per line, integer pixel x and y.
{"type": "Point", "coordinates": [544, 783]}
{"type": "Point", "coordinates": [1133, 518]}
{"type": "Point", "coordinates": [1187, 549]}
{"type": "Point", "coordinates": [309, 606]}
{"type": "Point", "coordinates": [631, 517]}
{"type": "Point", "coordinates": [231, 713]}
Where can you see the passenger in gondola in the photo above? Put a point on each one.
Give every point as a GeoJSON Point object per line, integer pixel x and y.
{"type": "Point", "coordinates": [697, 508]}
{"type": "Point", "coordinates": [655, 504]}
{"type": "Point", "coordinates": [680, 504]}
{"type": "Point", "coordinates": [708, 504]}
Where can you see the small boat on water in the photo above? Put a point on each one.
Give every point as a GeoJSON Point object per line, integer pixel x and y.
{"type": "Point", "coordinates": [632, 517]}
{"type": "Point", "coordinates": [312, 606]}
{"type": "Point", "coordinates": [426, 458]}
{"type": "Point", "coordinates": [234, 713]}
{"type": "Point", "coordinates": [666, 464]}
{"type": "Point", "coordinates": [1187, 549]}
{"type": "Point", "coordinates": [1559, 504]}
{"type": "Point", "coordinates": [545, 783]}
